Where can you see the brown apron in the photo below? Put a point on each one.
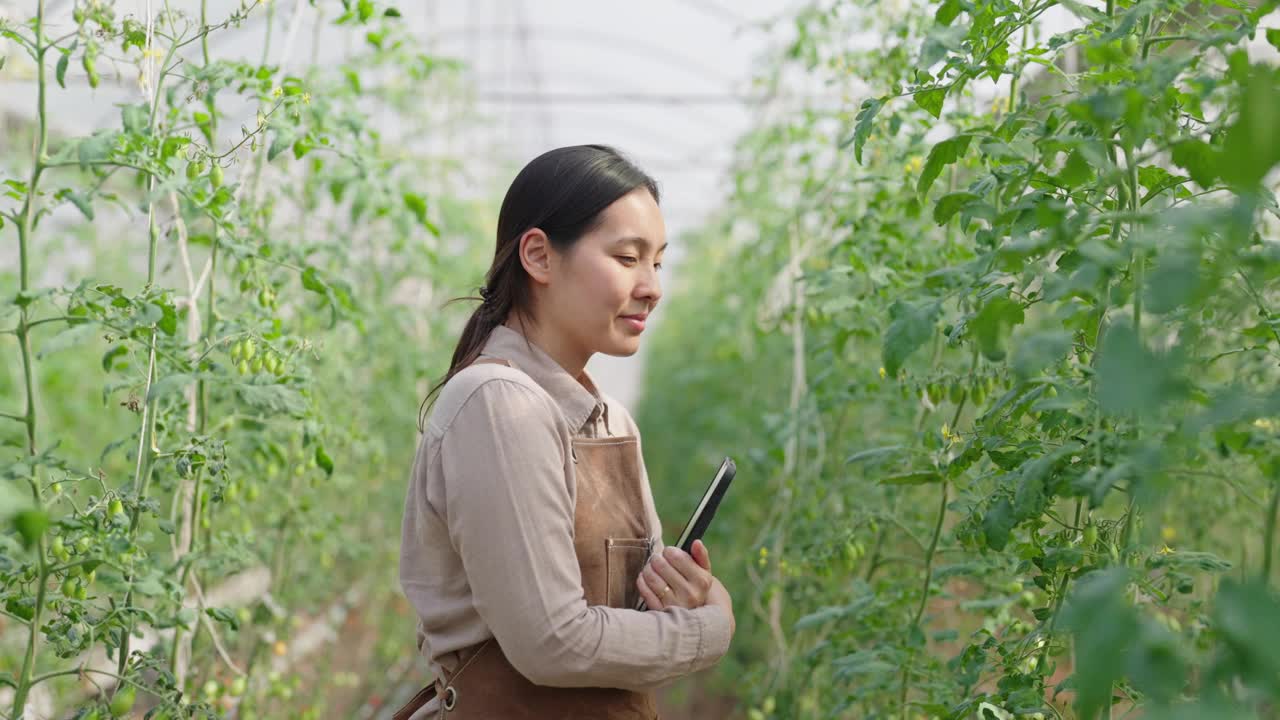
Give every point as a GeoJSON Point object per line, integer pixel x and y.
{"type": "Point", "coordinates": [613, 543]}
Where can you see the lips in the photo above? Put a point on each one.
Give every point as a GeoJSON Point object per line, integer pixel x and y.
{"type": "Point", "coordinates": [636, 321]}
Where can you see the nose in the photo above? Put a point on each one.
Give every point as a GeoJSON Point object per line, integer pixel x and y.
{"type": "Point", "coordinates": [650, 288]}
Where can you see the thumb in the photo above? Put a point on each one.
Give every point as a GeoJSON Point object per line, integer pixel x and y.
{"type": "Point", "coordinates": [701, 555]}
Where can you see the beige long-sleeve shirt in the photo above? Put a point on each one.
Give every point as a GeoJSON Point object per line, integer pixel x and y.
{"type": "Point", "coordinates": [487, 538]}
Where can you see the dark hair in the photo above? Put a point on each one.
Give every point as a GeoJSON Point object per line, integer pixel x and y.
{"type": "Point", "coordinates": [562, 192]}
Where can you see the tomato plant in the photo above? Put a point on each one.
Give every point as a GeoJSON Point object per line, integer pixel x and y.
{"type": "Point", "coordinates": [208, 392]}
{"type": "Point", "coordinates": [1008, 315]}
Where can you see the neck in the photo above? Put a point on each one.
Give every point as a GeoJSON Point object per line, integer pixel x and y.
{"type": "Point", "coordinates": [558, 346]}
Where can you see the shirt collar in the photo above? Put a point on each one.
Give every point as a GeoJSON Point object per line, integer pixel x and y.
{"type": "Point", "coordinates": [579, 404]}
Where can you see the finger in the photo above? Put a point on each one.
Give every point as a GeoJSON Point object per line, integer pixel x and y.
{"type": "Point", "coordinates": [651, 600]}
{"type": "Point", "coordinates": [701, 555]}
{"type": "Point", "coordinates": [690, 570]}
{"type": "Point", "coordinates": [657, 583]}
{"type": "Point", "coordinates": [670, 575]}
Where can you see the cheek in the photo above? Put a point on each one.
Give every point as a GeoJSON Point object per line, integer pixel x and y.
{"type": "Point", "coordinates": [606, 285]}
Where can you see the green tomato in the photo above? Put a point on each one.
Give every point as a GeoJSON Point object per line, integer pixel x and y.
{"type": "Point", "coordinates": [91, 66]}
{"type": "Point", "coordinates": [83, 545]}
{"type": "Point", "coordinates": [251, 492]}
{"type": "Point", "coordinates": [956, 392]}
{"type": "Point", "coordinates": [242, 367]}
{"type": "Point", "coordinates": [69, 587]}
{"type": "Point", "coordinates": [59, 549]}
{"type": "Point", "coordinates": [256, 366]}
{"type": "Point", "coordinates": [250, 348]}
{"type": "Point", "coordinates": [194, 169]}
{"type": "Point", "coordinates": [115, 507]}
{"type": "Point", "coordinates": [215, 175]}
{"type": "Point", "coordinates": [238, 686]}
{"type": "Point", "coordinates": [91, 715]}
{"type": "Point", "coordinates": [271, 363]}
{"type": "Point", "coordinates": [1090, 535]}
{"type": "Point", "coordinates": [122, 702]}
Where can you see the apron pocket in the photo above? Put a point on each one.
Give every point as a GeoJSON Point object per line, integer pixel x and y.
{"type": "Point", "coordinates": [625, 558]}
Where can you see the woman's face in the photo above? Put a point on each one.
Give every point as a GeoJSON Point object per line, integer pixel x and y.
{"type": "Point", "coordinates": [600, 290]}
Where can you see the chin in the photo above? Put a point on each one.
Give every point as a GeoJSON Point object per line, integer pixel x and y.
{"type": "Point", "coordinates": [624, 347]}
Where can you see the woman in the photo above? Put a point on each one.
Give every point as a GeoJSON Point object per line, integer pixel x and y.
{"type": "Point", "coordinates": [529, 525]}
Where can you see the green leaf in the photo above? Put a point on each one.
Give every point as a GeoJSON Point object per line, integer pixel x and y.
{"type": "Point", "coordinates": [30, 524]}
{"type": "Point", "coordinates": [862, 128]}
{"type": "Point", "coordinates": [150, 586]}
{"type": "Point", "coordinates": [1105, 627]}
{"type": "Point", "coordinates": [1199, 159]}
{"type": "Point", "coordinates": [95, 148]}
{"type": "Point", "coordinates": [992, 324]}
{"type": "Point", "coordinates": [60, 71]}
{"type": "Point", "coordinates": [997, 524]}
{"type": "Point", "coordinates": [941, 155]}
{"type": "Point", "coordinates": [73, 336]}
{"type": "Point", "coordinates": [135, 119]}
{"type": "Point", "coordinates": [225, 616]}
{"type": "Point", "coordinates": [417, 205]}
{"type": "Point", "coordinates": [1252, 147]}
{"type": "Point", "coordinates": [872, 453]}
{"type": "Point", "coordinates": [168, 322]}
{"type": "Point", "coordinates": [279, 399]}
{"type": "Point", "coordinates": [281, 142]}
{"type": "Point", "coordinates": [911, 325]}
{"type": "Point", "coordinates": [110, 355]}
{"type": "Point", "coordinates": [919, 477]}
{"type": "Point", "coordinates": [1076, 171]}
{"type": "Point", "coordinates": [323, 460]}
{"type": "Point", "coordinates": [1038, 350]}
{"type": "Point", "coordinates": [950, 204]}
{"type": "Point", "coordinates": [948, 11]}
{"type": "Point", "coordinates": [168, 385]}
{"type": "Point", "coordinates": [1273, 37]}
{"type": "Point", "coordinates": [82, 202]}
{"type": "Point", "coordinates": [931, 100]}
{"type": "Point", "coordinates": [1131, 378]}
{"type": "Point", "coordinates": [1239, 612]}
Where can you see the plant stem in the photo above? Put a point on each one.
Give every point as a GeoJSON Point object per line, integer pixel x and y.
{"type": "Point", "coordinates": [1269, 539]}
{"type": "Point", "coordinates": [146, 435]}
{"type": "Point", "coordinates": [25, 225]}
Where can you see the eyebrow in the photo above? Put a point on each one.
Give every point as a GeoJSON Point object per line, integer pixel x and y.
{"type": "Point", "coordinates": [640, 240]}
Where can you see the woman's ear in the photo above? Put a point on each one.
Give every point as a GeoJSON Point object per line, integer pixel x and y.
{"type": "Point", "coordinates": [535, 255]}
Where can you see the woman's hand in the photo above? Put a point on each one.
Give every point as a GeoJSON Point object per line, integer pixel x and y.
{"type": "Point", "coordinates": [674, 578]}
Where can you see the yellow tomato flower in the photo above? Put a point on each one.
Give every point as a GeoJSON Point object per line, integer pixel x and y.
{"type": "Point", "coordinates": [277, 92]}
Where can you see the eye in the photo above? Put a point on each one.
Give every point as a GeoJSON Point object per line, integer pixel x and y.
{"type": "Point", "coordinates": [626, 257]}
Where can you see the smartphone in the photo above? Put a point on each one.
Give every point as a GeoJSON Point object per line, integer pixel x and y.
{"type": "Point", "coordinates": [700, 520]}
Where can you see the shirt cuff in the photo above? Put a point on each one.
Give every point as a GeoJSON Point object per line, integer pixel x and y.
{"type": "Point", "coordinates": [715, 633]}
